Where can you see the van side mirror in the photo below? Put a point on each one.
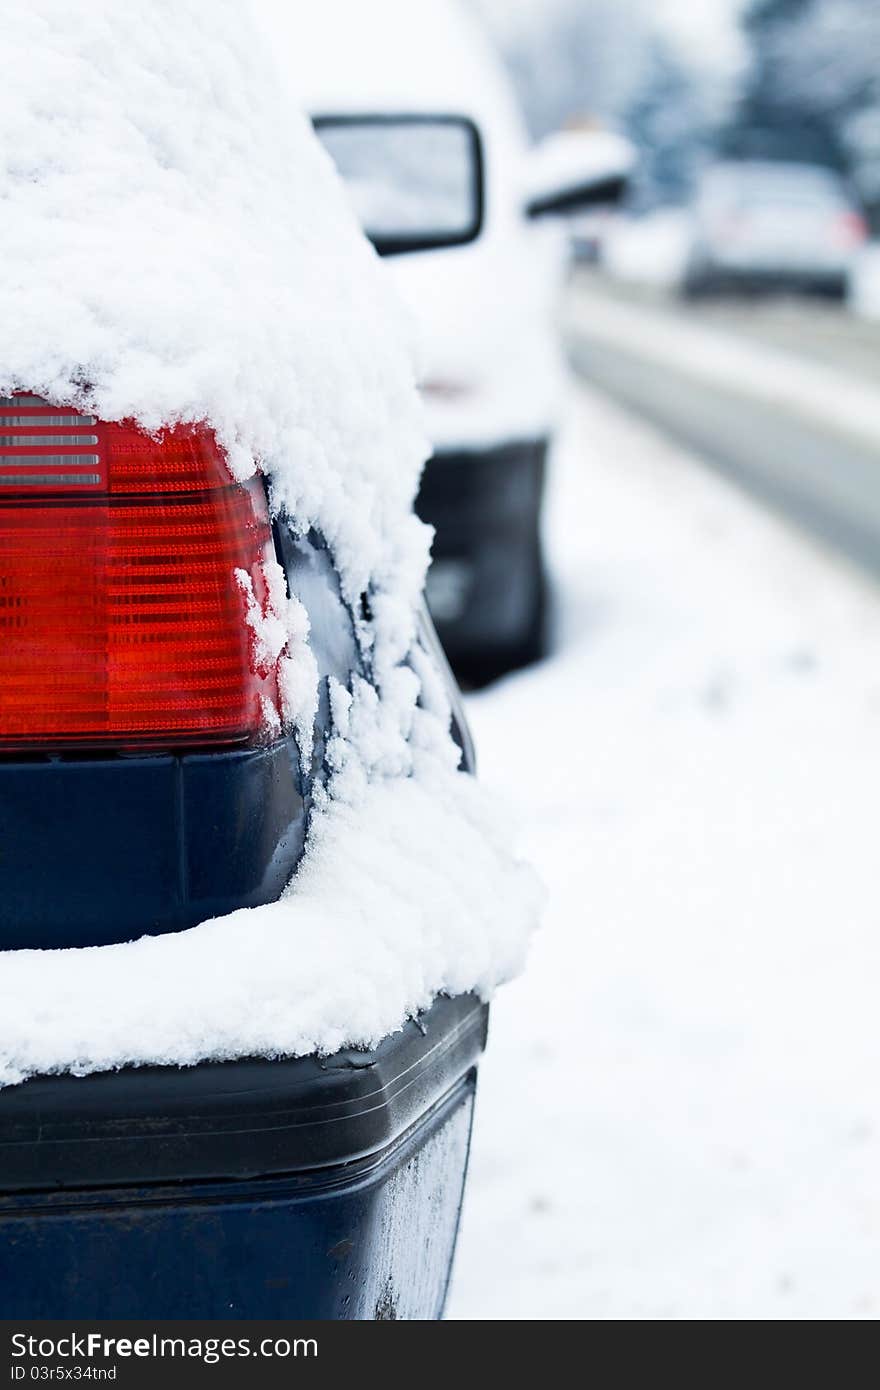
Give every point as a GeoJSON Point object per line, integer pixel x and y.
{"type": "Point", "coordinates": [415, 181]}
{"type": "Point", "coordinates": [577, 169]}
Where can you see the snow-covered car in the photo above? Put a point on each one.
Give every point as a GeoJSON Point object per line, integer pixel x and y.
{"type": "Point", "coordinates": [772, 224]}
{"type": "Point", "coordinates": [414, 109]}
{"type": "Point", "coordinates": [241, 848]}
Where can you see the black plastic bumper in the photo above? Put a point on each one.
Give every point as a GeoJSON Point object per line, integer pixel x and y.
{"type": "Point", "coordinates": [101, 851]}
{"type": "Point", "coordinates": [229, 1120]}
{"type": "Point", "coordinates": [258, 1189]}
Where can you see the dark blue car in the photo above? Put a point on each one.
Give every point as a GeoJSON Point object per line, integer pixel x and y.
{"type": "Point", "coordinates": [140, 794]}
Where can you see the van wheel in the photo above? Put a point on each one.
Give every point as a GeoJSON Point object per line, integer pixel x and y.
{"type": "Point", "coordinates": [535, 643]}
{"type": "Point", "coordinates": [478, 669]}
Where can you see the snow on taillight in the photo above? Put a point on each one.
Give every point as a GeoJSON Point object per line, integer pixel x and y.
{"type": "Point", "coordinates": [122, 621]}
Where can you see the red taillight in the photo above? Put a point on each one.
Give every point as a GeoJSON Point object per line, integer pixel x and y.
{"type": "Point", "coordinates": [122, 622]}
{"type": "Point", "coordinates": [849, 229]}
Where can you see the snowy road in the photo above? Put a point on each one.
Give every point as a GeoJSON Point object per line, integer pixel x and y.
{"type": "Point", "coordinates": [821, 331]}
{"type": "Point", "coordinates": [781, 395]}
{"type": "Point", "coordinates": [679, 1113]}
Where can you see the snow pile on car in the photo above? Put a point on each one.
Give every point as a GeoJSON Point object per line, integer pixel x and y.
{"type": "Point", "coordinates": [175, 246]}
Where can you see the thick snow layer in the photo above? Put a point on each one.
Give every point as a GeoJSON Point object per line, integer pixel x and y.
{"type": "Point", "coordinates": [678, 1115]}
{"type": "Point", "coordinates": [397, 900]}
{"type": "Point", "coordinates": [175, 246]}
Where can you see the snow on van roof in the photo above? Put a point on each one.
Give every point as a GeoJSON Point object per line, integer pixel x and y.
{"type": "Point", "coordinates": [175, 246]}
{"type": "Point", "coordinates": [389, 55]}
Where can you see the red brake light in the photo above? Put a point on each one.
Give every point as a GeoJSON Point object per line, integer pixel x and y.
{"type": "Point", "coordinates": [122, 622]}
{"type": "Point", "coordinates": [850, 229]}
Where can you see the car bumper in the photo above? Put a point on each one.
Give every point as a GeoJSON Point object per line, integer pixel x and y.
{"type": "Point", "coordinates": [309, 1189]}
{"type": "Point", "coordinates": [787, 266]}
{"type": "Point", "coordinates": [106, 850]}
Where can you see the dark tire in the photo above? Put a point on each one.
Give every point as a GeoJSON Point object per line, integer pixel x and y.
{"type": "Point", "coordinates": [479, 668]}
{"type": "Point", "coordinates": [696, 274]}
{"type": "Point", "coordinates": [835, 289]}
{"type": "Point", "coordinates": [696, 285]}
{"type": "Point", "coordinates": [486, 506]}
{"type": "Point", "coordinates": [535, 642]}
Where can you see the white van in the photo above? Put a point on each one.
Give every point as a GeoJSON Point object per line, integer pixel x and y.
{"type": "Point", "coordinates": [415, 110]}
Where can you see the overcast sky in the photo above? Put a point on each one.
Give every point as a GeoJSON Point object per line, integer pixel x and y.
{"type": "Point", "coordinates": [707, 29]}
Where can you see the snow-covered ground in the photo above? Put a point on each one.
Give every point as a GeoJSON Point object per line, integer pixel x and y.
{"type": "Point", "coordinates": [679, 1113]}
{"type": "Point", "coordinates": [825, 394]}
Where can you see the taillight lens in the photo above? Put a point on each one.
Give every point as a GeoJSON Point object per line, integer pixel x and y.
{"type": "Point", "coordinates": [122, 622]}
{"type": "Point", "coordinates": [849, 229]}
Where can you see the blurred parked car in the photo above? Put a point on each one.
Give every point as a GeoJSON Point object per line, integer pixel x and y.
{"type": "Point", "coordinates": [589, 233]}
{"type": "Point", "coordinates": [761, 224]}
{"type": "Point", "coordinates": [418, 116]}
